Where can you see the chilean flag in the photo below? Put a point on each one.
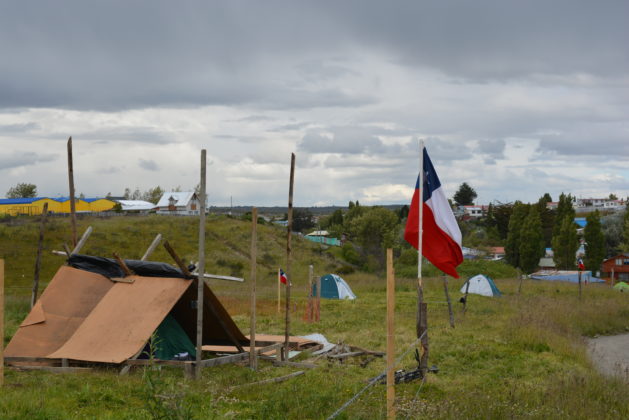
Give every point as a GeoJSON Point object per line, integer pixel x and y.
{"type": "Point", "coordinates": [283, 277]}
{"type": "Point", "coordinates": [441, 239]}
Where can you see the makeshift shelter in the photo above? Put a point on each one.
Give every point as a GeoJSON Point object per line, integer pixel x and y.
{"type": "Point", "coordinates": [481, 284]}
{"type": "Point", "coordinates": [91, 312]}
{"type": "Point", "coordinates": [622, 287]}
{"type": "Point", "coordinates": [334, 287]}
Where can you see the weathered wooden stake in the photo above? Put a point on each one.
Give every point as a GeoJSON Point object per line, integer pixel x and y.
{"type": "Point", "coordinates": [40, 246]}
{"type": "Point", "coordinates": [580, 287]}
{"type": "Point", "coordinates": [127, 271]}
{"type": "Point", "coordinates": [390, 336]}
{"type": "Point", "coordinates": [82, 241]}
{"type": "Point", "coordinates": [310, 314]}
{"type": "Point", "coordinates": [423, 327]}
{"type": "Point", "coordinates": [517, 270]}
{"type": "Point", "coordinates": [253, 360]}
{"type": "Point", "coordinates": [1, 322]}
{"type": "Point", "coordinates": [289, 251]}
{"type": "Point", "coordinates": [445, 288]}
{"type": "Point", "coordinates": [612, 277]}
{"type": "Point", "coordinates": [178, 260]}
{"type": "Point", "coordinates": [200, 280]}
{"type": "Point", "coordinates": [152, 247]}
{"type": "Point", "coordinates": [318, 302]}
{"type": "Point", "coordinates": [467, 289]}
{"type": "Point", "coordinates": [71, 180]}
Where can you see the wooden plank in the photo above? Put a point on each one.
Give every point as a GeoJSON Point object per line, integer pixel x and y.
{"type": "Point", "coordinates": [54, 369]}
{"type": "Point", "coordinates": [217, 277]}
{"type": "Point", "coordinates": [289, 252]}
{"type": "Point", "coordinates": [22, 359]}
{"type": "Point", "coordinates": [371, 352]}
{"type": "Point", "coordinates": [345, 355]}
{"type": "Point", "coordinates": [224, 360]}
{"type": "Point", "coordinates": [71, 182]}
{"type": "Point", "coordinates": [67, 250]}
{"type": "Point", "coordinates": [40, 247]}
{"type": "Point", "coordinates": [200, 282]}
{"type": "Point", "coordinates": [275, 380]}
{"type": "Point", "coordinates": [178, 261]}
{"type": "Point", "coordinates": [1, 322]}
{"type": "Point", "coordinates": [152, 247]}
{"type": "Point", "coordinates": [253, 362]}
{"type": "Point", "coordinates": [300, 365]}
{"type": "Point", "coordinates": [390, 336]}
{"type": "Point", "coordinates": [145, 362]}
{"type": "Point", "coordinates": [82, 241]}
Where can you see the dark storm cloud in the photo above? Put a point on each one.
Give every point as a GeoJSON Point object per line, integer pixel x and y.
{"type": "Point", "coordinates": [120, 55]}
{"type": "Point", "coordinates": [19, 159]}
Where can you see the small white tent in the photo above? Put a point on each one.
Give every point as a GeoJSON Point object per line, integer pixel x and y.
{"type": "Point", "coordinates": [481, 284]}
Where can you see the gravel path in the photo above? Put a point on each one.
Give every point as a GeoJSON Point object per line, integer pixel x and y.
{"type": "Point", "coordinates": [610, 355]}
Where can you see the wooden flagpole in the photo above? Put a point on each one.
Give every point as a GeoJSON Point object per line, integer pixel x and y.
{"type": "Point", "coordinates": [390, 336]}
{"type": "Point", "coordinates": [279, 290]}
{"type": "Point", "coordinates": [40, 246]}
{"type": "Point", "coordinates": [201, 269]}
{"type": "Point", "coordinates": [422, 322]}
{"type": "Point", "coordinates": [289, 254]}
{"type": "Point", "coordinates": [71, 181]}
{"type": "Point", "coordinates": [253, 361]}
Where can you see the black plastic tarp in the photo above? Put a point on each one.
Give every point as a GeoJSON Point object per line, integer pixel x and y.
{"type": "Point", "coordinates": [109, 267]}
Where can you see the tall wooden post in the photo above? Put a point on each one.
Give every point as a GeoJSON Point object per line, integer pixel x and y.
{"type": "Point", "coordinates": [289, 254]}
{"type": "Point", "coordinates": [390, 336]}
{"type": "Point", "coordinates": [201, 269]}
{"type": "Point", "coordinates": [445, 288]}
{"type": "Point", "coordinates": [580, 284]}
{"type": "Point", "coordinates": [1, 322]}
{"type": "Point", "coordinates": [517, 270]}
{"type": "Point", "coordinates": [279, 290]}
{"type": "Point", "coordinates": [40, 247]}
{"type": "Point", "coordinates": [71, 181]}
{"type": "Point", "coordinates": [467, 289]}
{"type": "Point", "coordinates": [253, 360]}
{"type": "Point", "coordinates": [318, 302]}
{"type": "Point", "coordinates": [310, 314]}
{"type": "Point", "coordinates": [612, 277]}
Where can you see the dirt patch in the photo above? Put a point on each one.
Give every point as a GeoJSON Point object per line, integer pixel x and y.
{"type": "Point", "coordinates": [610, 356]}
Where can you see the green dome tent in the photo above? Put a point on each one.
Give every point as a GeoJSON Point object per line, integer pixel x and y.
{"type": "Point", "coordinates": [481, 284]}
{"type": "Point", "coordinates": [622, 287]}
{"type": "Point", "coordinates": [334, 287]}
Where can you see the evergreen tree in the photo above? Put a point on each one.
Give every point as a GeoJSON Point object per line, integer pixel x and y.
{"type": "Point", "coordinates": [565, 244]}
{"type": "Point", "coordinates": [595, 242]}
{"type": "Point", "coordinates": [564, 208]}
{"type": "Point", "coordinates": [547, 218]}
{"type": "Point", "coordinates": [502, 215]}
{"type": "Point", "coordinates": [531, 241]}
{"type": "Point", "coordinates": [624, 246]}
{"type": "Point", "coordinates": [465, 195]}
{"type": "Point", "coordinates": [512, 247]}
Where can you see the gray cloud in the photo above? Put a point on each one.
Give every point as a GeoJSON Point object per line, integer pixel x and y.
{"type": "Point", "coordinates": [18, 128]}
{"type": "Point", "coordinates": [149, 165]}
{"type": "Point", "coordinates": [19, 159]}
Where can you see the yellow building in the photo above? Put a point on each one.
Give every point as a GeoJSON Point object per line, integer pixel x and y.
{"type": "Point", "coordinates": [34, 206]}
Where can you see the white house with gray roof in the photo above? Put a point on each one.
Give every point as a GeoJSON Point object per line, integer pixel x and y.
{"type": "Point", "coordinates": [185, 203]}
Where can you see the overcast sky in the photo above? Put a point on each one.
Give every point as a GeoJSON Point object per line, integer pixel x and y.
{"type": "Point", "coordinates": [516, 98]}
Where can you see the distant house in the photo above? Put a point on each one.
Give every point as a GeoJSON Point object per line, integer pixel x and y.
{"type": "Point", "coordinates": [619, 265]}
{"type": "Point", "coordinates": [546, 263]}
{"type": "Point", "coordinates": [35, 205]}
{"type": "Point", "coordinates": [473, 212]}
{"type": "Point", "coordinates": [184, 203]}
{"type": "Point", "coordinates": [497, 252]}
{"type": "Point", "coordinates": [322, 236]}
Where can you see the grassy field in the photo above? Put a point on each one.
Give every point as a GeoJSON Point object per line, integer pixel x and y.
{"type": "Point", "coordinates": [518, 356]}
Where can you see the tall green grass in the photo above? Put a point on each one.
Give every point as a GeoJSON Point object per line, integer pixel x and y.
{"type": "Point", "coordinates": [518, 356]}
